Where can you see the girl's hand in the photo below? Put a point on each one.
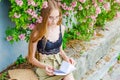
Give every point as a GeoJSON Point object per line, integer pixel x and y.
{"type": "Point", "coordinates": [72, 61]}
{"type": "Point", "coordinates": [49, 70]}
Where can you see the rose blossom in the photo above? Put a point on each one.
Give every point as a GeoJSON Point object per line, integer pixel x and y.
{"type": "Point", "coordinates": [82, 1]}
{"type": "Point", "coordinates": [98, 10]}
{"type": "Point", "coordinates": [17, 15]}
{"type": "Point", "coordinates": [101, 1]}
{"type": "Point", "coordinates": [107, 6]}
{"type": "Point", "coordinates": [32, 13]}
{"type": "Point", "coordinates": [74, 4]}
{"type": "Point", "coordinates": [39, 19]}
{"type": "Point", "coordinates": [117, 14]}
{"type": "Point", "coordinates": [19, 2]}
{"type": "Point", "coordinates": [31, 26]}
{"type": "Point", "coordinates": [9, 38]}
{"type": "Point", "coordinates": [80, 7]}
{"type": "Point", "coordinates": [93, 17]}
{"type": "Point", "coordinates": [29, 11]}
{"type": "Point", "coordinates": [31, 2]}
{"type": "Point", "coordinates": [95, 5]}
{"type": "Point", "coordinates": [117, 1]}
{"type": "Point", "coordinates": [69, 8]}
{"type": "Point", "coordinates": [21, 36]}
{"type": "Point", "coordinates": [45, 4]}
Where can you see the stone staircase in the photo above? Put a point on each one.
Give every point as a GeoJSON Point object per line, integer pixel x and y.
{"type": "Point", "coordinates": [104, 64]}
{"type": "Point", "coordinates": [98, 55]}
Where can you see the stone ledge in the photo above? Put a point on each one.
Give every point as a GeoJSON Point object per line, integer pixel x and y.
{"type": "Point", "coordinates": [22, 74]}
{"type": "Point", "coordinates": [94, 50]}
{"type": "Point", "coordinates": [104, 64]}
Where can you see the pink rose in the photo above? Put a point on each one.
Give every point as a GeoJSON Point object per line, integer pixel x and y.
{"type": "Point", "coordinates": [64, 6]}
{"type": "Point", "coordinates": [117, 1]}
{"type": "Point", "coordinates": [69, 8]}
{"type": "Point", "coordinates": [80, 7]}
{"type": "Point", "coordinates": [19, 2]}
{"type": "Point", "coordinates": [21, 36]}
{"type": "Point", "coordinates": [45, 4]}
{"type": "Point", "coordinates": [93, 17]}
{"type": "Point", "coordinates": [82, 1]}
{"type": "Point", "coordinates": [98, 10]}
{"type": "Point", "coordinates": [9, 38]}
{"type": "Point", "coordinates": [118, 14]}
{"type": "Point", "coordinates": [39, 19]}
{"type": "Point", "coordinates": [29, 11]}
{"type": "Point", "coordinates": [101, 1]}
{"type": "Point", "coordinates": [31, 2]}
{"type": "Point", "coordinates": [17, 15]}
{"type": "Point", "coordinates": [107, 6]}
{"type": "Point", "coordinates": [32, 13]}
{"type": "Point", "coordinates": [31, 26]}
{"type": "Point", "coordinates": [74, 4]}
{"type": "Point", "coordinates": [95, 5]}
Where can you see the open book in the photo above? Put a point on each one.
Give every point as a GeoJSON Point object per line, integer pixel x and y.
{"type": "Point", "coordinates": [65, 69]}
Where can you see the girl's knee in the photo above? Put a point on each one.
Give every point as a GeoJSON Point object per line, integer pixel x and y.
{"type": "Point", "coordinates": [69, 77]}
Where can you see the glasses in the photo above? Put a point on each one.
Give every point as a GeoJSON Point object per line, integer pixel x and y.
{"type": "Point", "coordinates": [51, 18]}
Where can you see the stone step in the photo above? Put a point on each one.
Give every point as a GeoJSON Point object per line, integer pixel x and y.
{"type": "Point", "coordinates": [104, 64]}
{"type": "Point", "coordinates": [94, 50]}
{"type": "Point", "coordinates": [113, 73]}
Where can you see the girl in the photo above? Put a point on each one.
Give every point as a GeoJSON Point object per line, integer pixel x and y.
{"type": "Point", "coordinates": [46, 40]}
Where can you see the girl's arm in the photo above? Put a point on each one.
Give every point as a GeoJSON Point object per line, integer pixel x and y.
{"type": "Point", "coordinates": [31, 55]}
{"type": "Point", "coordinates": [63, 55]}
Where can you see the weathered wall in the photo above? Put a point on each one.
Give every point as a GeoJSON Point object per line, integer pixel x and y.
{"type": "Point", "coordinates": [8, 52]}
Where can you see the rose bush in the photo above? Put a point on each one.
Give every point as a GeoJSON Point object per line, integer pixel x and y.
{"type": "Point", "coordinates": [88, 15]}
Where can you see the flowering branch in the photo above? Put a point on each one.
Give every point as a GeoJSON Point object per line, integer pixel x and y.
{"type": "Point", "coordinates": [88, 14]}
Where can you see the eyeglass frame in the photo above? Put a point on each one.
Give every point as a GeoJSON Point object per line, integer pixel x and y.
{"type": "Point", "coordinates": [53, 18]}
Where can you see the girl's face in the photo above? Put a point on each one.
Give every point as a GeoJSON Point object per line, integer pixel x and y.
{"type": "Point", "coordinates": [53, 18]}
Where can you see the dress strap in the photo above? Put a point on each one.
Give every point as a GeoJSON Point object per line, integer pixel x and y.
{"type": "Point", "coordinates": [60, 29]}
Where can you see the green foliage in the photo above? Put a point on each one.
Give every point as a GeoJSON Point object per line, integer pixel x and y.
{"type": "Point", "coordinates": [3, 76]}
{"type": "Point", "coordinates": [88, 16]}
{"type": "Point", "coordinates": [65, 40]}
{"type": "Point", "coordinates": [101, 19]}
{"type": "Point", "coordinates": [118, 57]}
{"type": "Point", "coordinates": [20, 60]}
{"type": "Point", "coordinates": [22, 16]}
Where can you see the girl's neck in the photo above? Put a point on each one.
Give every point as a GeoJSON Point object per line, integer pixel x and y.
{"type": "Point", "coordinates": [52, 27]}
{"type": "Point", "coordinates": [52, 30]}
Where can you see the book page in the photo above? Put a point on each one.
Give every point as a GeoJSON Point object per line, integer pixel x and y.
{"type": "Point", "coordinates": [65, 68]}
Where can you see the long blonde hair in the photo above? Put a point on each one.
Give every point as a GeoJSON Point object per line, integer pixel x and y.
{"type": "Point", "coordinates": [41, 28]}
